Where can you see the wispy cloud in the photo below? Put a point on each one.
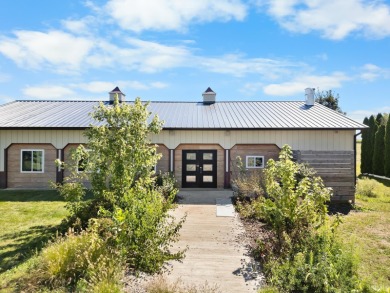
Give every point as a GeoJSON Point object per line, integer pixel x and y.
{"type": "Point", "coordinates": [48, 92]}
{"type": "Point", "coordinates": [65, 53]}
{"type": "Point", "coordinates": [333, 19]}
{"type": "Point", "coordinates": [177, 15]}
{"type": "Point", "coordinates": [105, 86]}
{"type": "Point", "coordinates": [372, 72]}
{"type": "Point", "coordinates": [359, 115]}
{"type": "Point", "coordinates": [238, 65]}
{"type": "Point", "coordinates": [298, 84]}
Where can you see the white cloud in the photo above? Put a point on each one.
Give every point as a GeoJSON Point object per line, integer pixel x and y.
{"type": "Point", "coordinates": [359, 115]}
{"type": "Point", "coordinates": [298, 84]}
{"type": "Point", "coordinates": [47, 92]}
{"type": "Point", "coordinates": [35, 49]}
{"type": "Point", "coordinates": [63, 52]}
{"type": "Point", "coordinates": [334, 19]}
{"type": "Point", "coordinates": [372, 72]}
{"type": "Point", "coordinates": [144, 56]}
{"type": "Point", "coordinates": [159, 85]}
{"type": "Point", "coordinates": [250, 88]}
{"type": "Point", "coordinates": [238, 65]}
{"type": "Point", "coordinates": [103, 87]}
{"type": "Point", "coordinates": [139, 15]}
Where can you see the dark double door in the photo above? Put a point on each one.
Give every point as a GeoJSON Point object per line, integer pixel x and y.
{"type": "Point", "coordinates": [199, 168]}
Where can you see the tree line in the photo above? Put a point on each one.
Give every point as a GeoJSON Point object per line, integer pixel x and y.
{"type": "Point", "coordinates": [375, 155]}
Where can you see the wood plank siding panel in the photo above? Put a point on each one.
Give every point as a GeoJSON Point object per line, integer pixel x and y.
{"type": "Point", "coordinates": [336, 168]}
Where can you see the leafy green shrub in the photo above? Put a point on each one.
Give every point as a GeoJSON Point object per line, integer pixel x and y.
{"type": "Point", "coordinates": [321, 265]}
{"type": "Point", "coordinates": [145, 231]}
{"type": "Point", "coordinates": [366, 187]}
{"type": "Point", "coordinates": [292, 207]}
{"type": "Point", "coordinates": [301, 252]}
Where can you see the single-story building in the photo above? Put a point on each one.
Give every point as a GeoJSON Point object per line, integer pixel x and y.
{"type": "Point", "coordinates": [199, 143]}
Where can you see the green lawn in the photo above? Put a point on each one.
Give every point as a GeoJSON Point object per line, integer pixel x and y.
{"type": "Point", "coordinates": [28, 219]}
{"type": "Point", "coordinates": [368, 229]}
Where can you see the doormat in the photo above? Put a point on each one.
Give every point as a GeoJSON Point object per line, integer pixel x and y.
{"type": "Point", "coordinates": [224, 207]}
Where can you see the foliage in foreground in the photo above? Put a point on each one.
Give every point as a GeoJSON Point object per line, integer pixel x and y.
{"type": "Point", "coordinates": [82, 261]}
{"type": "Point", "coordinates": [135, 231]}
{"type": "Point", "coordinates": [161, 285]}
{"type": "Point", "coordinates": [302, 253]}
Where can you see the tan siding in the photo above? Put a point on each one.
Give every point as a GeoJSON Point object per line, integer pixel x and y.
{"type": "Point", "coordinates": [163, 163]}
{"type": "Point", "coordinates": [319, 140]}
{"type": "Point", "coordinates": [220, 160]}
{"type": "Point", "coordinates": [269, 151]}
{"type": "Point", "coordinates": [17, 179]}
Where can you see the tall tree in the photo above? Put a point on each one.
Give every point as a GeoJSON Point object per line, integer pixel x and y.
{"type": "Point", "coordinates": [329, 99]}
{"type": "Point", "coordinates": [387, 148]}
{"type": "Point", "coordinates": [379, 148]}
{"type": "Point", "coordinates": [373, 128]}
{"type": "Point", "coordinates": [365, 156]}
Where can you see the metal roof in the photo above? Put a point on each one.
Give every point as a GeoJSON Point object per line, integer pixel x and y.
{"type": "Point", "coordinates": [182, 115]}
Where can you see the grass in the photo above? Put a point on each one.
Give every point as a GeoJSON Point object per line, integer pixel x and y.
{"type": "Point", "coordinates": [28, 219]}
{"type": "Point", "coordinates": [368, 229]}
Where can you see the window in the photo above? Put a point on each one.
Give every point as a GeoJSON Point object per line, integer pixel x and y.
{"type": "Point", "coordinates": [255, 161]}
{"type": "Point", "coordinates": [32, 161]}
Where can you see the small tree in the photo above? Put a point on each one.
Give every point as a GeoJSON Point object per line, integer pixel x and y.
{"type": "Point", "coordinates": [365, 157]}
{"type": "Point", "coordinates": [387, 149]}
{"type": "Point", "coordinates": [119, 166]}
{"type": "Point", "coordinates": [329, 99]}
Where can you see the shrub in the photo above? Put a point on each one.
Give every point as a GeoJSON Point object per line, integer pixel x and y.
{"type": "Point", "coordinates": [249, 186]}
{"type": "Point", "coordinates": [84, 260]}
{"type": "Point", "coordinates": [321, 265]}
{"type": "Point", "coordinates": [293, 205]}
{"type": "Point", "coordinates": [145, 229]}
{"type": "Point", "coordinates": [366, 187]}
{"type": "Point", "coordinates": [301, 252]}
{"type": "Point", "coordinates": [167, 185]}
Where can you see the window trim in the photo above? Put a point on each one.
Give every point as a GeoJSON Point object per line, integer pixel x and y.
{"type": "Point", "coordinates": [32, 150]}
{"type": "Point", "coordinates": [254, 167]}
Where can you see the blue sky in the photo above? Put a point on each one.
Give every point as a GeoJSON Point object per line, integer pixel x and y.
{"type": "Point", "coordinates": [175, 49]}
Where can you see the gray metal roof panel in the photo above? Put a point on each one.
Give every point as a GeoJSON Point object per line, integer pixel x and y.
{"type": "Point", "coordinates": [182, 115]}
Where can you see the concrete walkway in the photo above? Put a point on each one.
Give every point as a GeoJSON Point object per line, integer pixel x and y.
{"type": "Point", "coordinates": [216, 249]}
